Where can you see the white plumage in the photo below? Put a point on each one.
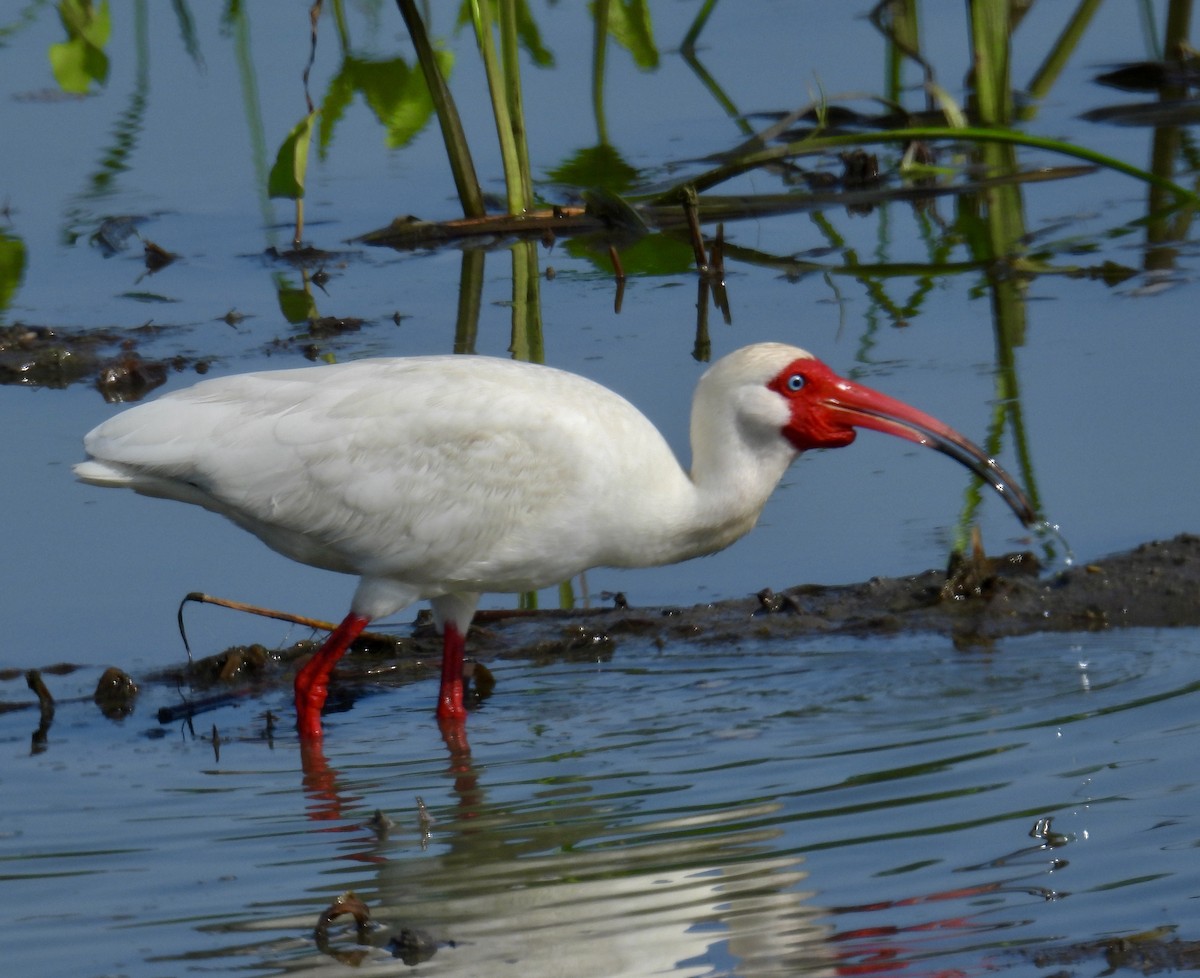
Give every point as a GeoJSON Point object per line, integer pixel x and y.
{"type": "Point", "coordinates": [443, 477]}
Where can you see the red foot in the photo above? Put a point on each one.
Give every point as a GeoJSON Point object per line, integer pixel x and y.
{"type": "Point", "coordinates": [312, 682]}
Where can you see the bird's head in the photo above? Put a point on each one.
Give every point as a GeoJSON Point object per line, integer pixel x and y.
{"type": "Point", "coordinates": [813, 407]}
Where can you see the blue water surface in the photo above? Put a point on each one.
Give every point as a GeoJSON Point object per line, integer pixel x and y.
{"type": "Point", "coordinates": [826, 806]}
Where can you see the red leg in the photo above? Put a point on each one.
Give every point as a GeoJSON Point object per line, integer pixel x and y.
{"type": "Point", "coordinates": [450, 696]}
{"type": "Point", "coordinates": [312, 682]}
{"type": "Point", "coordinates": [454, 735]}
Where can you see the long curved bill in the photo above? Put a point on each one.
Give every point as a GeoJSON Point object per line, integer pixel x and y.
{"type": "Point", "coordinates": [866, 408]}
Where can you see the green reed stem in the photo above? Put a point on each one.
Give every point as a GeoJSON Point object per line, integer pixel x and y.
{"type": "Point", "coordinates": [481, 17]}
{"type": "Point", "coordinates": [510, 56]}
{"type": "Point", "coordinates": [459, 153]}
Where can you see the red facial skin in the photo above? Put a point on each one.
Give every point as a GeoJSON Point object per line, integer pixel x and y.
{"type": "Point", "coordinates": [826, 409]}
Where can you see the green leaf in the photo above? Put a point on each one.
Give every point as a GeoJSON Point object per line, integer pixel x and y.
{"type": "Point", "coordinates": [655, 254]}
{"type": "Point", "coordinates": [12, 267]}
{"type": "Point", "coordinates": [291, 164]}
{"type": "Point", "coordinates": [399, 96]}
{"type": "Point", "coordinates": [396, 93]}
{"type": "Point", "coordinates": [337, 99]}
{"type": "Point", "coordinates": [527, 29]}
{"type": "Point", "coordinates": [531, 37]}
{"type": "Point", "coordinates": [297, 305]}
{"type": "Point", "coordinates": [629, 24]}
{"type": "Point", "coordinates": [596, 166]}
{"type": "Point", "coordinates": [80, 60]}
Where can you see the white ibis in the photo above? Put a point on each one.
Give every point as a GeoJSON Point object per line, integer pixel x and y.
{"type": "Point", "coordinates": [444, 477]}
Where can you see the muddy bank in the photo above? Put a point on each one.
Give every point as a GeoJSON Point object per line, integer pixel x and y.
{"type": "Point", "coordinates": [1155, 585]}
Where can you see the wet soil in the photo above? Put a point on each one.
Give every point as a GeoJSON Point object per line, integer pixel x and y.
{"type": "Point", "coordinates": [108, 359]}
{"type": "Point", "coordinates": [117, 361]}
{"type": "Point", "coordinates": [978, 600]}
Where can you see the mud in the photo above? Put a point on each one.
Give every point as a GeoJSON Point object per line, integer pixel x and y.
{"type": "Point", "coordinates": [1155, 585]}
{"type": "Point", "coordinates": [38, 356]}
{"type": "Point", "coordinates": [115, 362]}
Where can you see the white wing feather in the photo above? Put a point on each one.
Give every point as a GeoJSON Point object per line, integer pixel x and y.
{"type": "Point", "coordinates": [446, 473]}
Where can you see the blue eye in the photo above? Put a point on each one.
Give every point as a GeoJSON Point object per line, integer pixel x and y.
{"type": "Point", "coordinates": [795, 382]}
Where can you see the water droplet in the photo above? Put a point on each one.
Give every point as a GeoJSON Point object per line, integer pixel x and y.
{"type": "Point", "coordinates": [1050, 534]}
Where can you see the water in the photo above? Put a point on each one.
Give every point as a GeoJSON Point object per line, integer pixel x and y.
{"type": "Point", "coordinates": [826, 806]}
{"type": "Point", "coordinates": [770, 809]}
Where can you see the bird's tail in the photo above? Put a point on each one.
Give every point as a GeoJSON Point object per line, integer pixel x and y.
{"type": "Point", "coordinates": [97, 473]}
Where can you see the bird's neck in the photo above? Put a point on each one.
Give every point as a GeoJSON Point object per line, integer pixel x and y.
{"type": "Point", "coordinates": [732, 482]}
{"type": "Point", "coordinates": [719, 501]}
{"type": "Point", "coordinates": [669, 514]}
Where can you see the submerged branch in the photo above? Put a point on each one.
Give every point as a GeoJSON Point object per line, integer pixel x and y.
{"type": "Point", "coordinates": [821, 144]}
{"type": "Point", "coordinates": [603, 213]}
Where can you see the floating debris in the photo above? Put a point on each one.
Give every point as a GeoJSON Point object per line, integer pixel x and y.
{"type": "Point", "coordinates": [33, 679]}
{"type": "Point", "coordinates": [347, 903]}
{"type": "Point", "coordinates": [157, 258]}
{"type": "Point", "coordinates": [115, 693]}
{"type": "Point", "coordinates": [425, 821]}
{"type": "Point", "coordinates": [380, 824]}
{"type": "Point", "coordinates": [130, 378]}
{"type": "Point", "coordinates": [413, 946]}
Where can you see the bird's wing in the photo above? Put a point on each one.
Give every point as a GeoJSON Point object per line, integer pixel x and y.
{"type": "Point", "coordinates": [447, 469]}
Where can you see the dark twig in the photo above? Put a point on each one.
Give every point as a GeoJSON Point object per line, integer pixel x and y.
{"type": "Point", "coordinates": [691, 210]}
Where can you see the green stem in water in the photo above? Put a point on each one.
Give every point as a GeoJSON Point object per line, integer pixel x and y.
{"type": "Point", "coordinates": [481, 17]}
{"type": "Point", "coordinates": [510, 59]}
{"type": "Point", "coordinates": [461, 165]}
{"type": "Point", "coordinates": [599, 53]}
